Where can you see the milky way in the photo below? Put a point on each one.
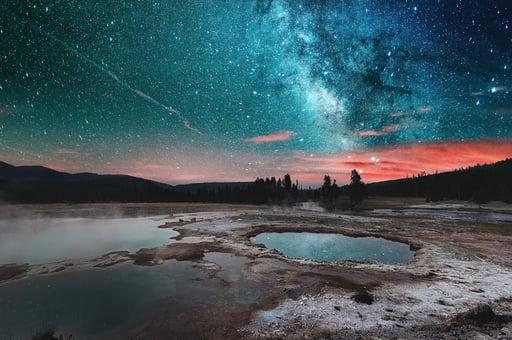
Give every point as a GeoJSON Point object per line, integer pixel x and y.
{"type": "Point", "coordinates": [229, 90]}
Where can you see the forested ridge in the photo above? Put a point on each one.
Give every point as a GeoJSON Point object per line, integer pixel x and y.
{"type": "Point", "coordinates": [36, 184]}
{"type": "Point", "coordinates": [479, 183]}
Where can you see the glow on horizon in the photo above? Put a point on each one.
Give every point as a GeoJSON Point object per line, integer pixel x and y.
{"type": "Point", "coordinates": [376, 164]}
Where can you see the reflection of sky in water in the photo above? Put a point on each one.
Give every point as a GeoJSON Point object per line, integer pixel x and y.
{"type": "Point", "coordinates": [331, 247]}
{"type": "Point", "coordinates": [108, 303]}
{"type": "Point", "coordinates": [88, 302]}
{"type": "Point", "coordinates": [43, 240]}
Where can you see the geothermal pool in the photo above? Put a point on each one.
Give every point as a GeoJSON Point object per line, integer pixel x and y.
{"type": "Point", "coordinates": [119, 301]}
{"type": "Point", "coordinates": [38, 240]}
{"type": "Point", "coordinates": [328, 247]}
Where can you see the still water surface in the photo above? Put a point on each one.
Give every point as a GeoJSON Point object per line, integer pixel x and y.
{"type": "Point", "coordinates": [50, 239]}
{"type": "Point", "coordinates": [115, 302]}
{"type": "Point", "coordinates": [331, 247]}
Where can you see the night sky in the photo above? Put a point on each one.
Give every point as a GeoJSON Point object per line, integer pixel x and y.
{"type": "Point", "coordinates": [192, 91]}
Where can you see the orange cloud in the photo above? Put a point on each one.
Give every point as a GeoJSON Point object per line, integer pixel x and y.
{"type": "Point", "coordinates": [400, 161]}
{"type": "Point", "coordinates": [384, 131]}
{"type": "Point", "coordinates": [273, 137]}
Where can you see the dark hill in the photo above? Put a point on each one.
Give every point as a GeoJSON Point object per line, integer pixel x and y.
{"type": "Point", "coordinates": [37, 184]}
{"type": "Point", "coordinates": [26, 172]}
{"type": "Point", "coordinates": [478, 183]}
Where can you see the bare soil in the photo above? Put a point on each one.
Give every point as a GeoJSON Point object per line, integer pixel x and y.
{"type": "Point", "coordinates": [459, 284]}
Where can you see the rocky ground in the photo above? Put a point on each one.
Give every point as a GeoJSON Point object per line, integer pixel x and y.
{"type": "Point", "coordinates": [459, 284]}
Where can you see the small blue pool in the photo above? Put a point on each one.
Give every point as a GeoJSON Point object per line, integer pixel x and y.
{"type": "Point", "coordinates": [328, 247]}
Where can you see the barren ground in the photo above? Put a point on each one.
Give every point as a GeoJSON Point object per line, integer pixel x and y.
{"type": "Point", "coordinates": [459, 284]}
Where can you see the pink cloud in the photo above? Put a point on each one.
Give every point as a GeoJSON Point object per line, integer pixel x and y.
{"type": "Point", "coordinates": [273, 137]}
{"type": "Point", "coordinates": [384, 131]}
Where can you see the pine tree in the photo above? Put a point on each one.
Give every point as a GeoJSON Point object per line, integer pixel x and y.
{"type": "Point", "coordinates": [287, 183]}
{"type": "Point", "coordinates": [356, 188]}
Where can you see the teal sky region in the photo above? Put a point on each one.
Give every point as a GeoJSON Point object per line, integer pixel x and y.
{"type": "Point", "coordinates": [214, 90]}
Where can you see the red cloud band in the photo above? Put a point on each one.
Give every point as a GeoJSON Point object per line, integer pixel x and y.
{"type": "Point", "coordinates": [403, 160]}
{"type": "Point", "coordinates": [375, 164]}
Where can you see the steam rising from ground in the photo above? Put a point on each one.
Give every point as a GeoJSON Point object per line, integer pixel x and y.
{"type": "Point", "coordinates": [30, 237]}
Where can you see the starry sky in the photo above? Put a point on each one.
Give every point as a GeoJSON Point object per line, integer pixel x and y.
{"type": "Point", "coordinates": [193, 91]}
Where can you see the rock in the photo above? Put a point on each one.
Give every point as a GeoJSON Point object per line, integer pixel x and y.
{"type": "Point", "coordinates": [363, 297]}
{"type": "Point", "coordinates": [480, 336]}
{"type": "Point", "coordinates": [11, 271]}
{"type": "Point", "coordinates": [479, 315]}
{"type": "Point", "coordinates": [505, 332]}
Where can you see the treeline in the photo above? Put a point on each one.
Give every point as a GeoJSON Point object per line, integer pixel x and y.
{"type": "Point", "coordinates": [268, 190]}
{"type": "Point", "coordinates": [330, 191]}
{"type": "Point", "coordinates": [83, 189]}
{"type": "Point", "coordinates": [34, 184]}
{"type": "Point", "coordinates": [479, 183]}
